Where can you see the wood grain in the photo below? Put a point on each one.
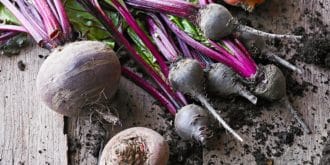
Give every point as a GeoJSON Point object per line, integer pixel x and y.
{"type": "Point", "coordinates": [30, 133]}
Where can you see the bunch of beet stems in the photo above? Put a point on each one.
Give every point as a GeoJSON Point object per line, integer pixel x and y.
{"type": "Point", "coordinates": [45, 21]}
{"type": "Point", "coordinates": [93, 7]}
{"type": "Point", "coordinates": [138, 30]}
{"type": "Point", "coordinates": [240, 63]}
{"type": "Point", "coordinates": [212, 29]}
{"type": "Point", "coordinates": [174, 99]}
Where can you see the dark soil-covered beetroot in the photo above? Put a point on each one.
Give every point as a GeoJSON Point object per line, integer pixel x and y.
{"type": "Point", "coordinates": [187, 76]}
{"type": "Point", "coordinates": [224, 82]}
{"type": "Point", "coordinates": [216, 21]}
{"type": "Point", "coordinates": [137, 145]}
{"type": "Point", "coordinates": [77, 75]}
{"type": "Point", "coordinates": [192, 123]}
{"type": "Point", "coordinates": [273, 85]}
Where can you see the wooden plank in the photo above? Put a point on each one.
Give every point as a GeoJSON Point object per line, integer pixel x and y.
{"type": "Point", "coordinates": [30, 133]}
{"type": "Point", "coordinates": [282, 16]}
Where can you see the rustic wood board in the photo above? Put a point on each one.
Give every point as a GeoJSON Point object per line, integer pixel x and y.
{"type": "Point", "coordinates": [27, 127]}
{"type": "Point", "coordinates": [30, 133]}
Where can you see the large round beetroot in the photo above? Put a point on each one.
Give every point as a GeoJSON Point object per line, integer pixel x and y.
{"type": "Point", "coordinates": [78, 74]}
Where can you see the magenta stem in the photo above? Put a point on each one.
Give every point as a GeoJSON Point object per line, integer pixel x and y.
{"type": "Point", "coordinates": [162, 40]}
{"type": "Point", "coordinates": [174, 7]}
{"type": "Point", "coordinates": [4, 27]}
{"type": "Point", "coordinates": [131, 22]}
{"type": "Point", "coordinates": [223, 56]}
{"type": "Point", "coordinates": [7, 35]}
{"type": "Point", "coordinates": [32, 16]}
{"type": "Point", "coordinates": [49, 19]}
{"type": "Point", "coordinates": [150, 89]}
{"type": "Point", "coordinates": [63, 19]}
{"type": "Point", "coordinates": [29, 27]}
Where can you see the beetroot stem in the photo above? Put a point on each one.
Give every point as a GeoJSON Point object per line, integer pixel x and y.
{"type": "Point", "coordinates": [149, 88]}
{"type": "Point", "coordinates": [33, 31]}
{"type": "Point", "coordinates": [162, 39]}
{"type": "Point", "coordinates": [63, 19]}
{"type": "Point", "coordinates": [7, 35]}
{"type": "Point", "coordinates": [49, 19]}
{"type": "Point", "coordinates": [223, 56]}
{"type": "Point", "coordinates": [16, 28]}
{"type": "Point", "coordinates": [131, 22]}
{"type": "Point", "coordinates": [175, 7]}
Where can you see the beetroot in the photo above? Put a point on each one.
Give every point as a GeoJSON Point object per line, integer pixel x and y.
{"type": "Point", "coordinates": [187, 76]}
{"type": "Point", "coordinates": [223, 81]}
{"type": "Point", "coordinates": [77, 75]}
{"type": "Point", "coordinates": [137, 145]}
{"type": "Point", "coordinates": [192, 122]}
{"type": "Point", "coordinates": [273, 88]}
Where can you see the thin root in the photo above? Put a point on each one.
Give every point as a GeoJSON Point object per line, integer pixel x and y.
{"type": "Point", "coordinates": [247, 29]}
{"type": "Point", "coordinates": [204, 101]}
{"type": "Point", "coordinates": [296, 115]}
{"type": "Point", "coordinates": [283, 62]}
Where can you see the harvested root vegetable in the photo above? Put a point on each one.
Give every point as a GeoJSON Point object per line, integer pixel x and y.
{"type": "Point", "coordinates": [258, 44]}
{"type": "Point", "coordinates": [187, 76]}
{"type": "Point", "coordinates": [273, 88]}
{"type": "Point", "coordinates": [78, 74]}
{"type": "Point", "coordinates": [137, 145]}
{"type": "Point", "coordinates": [223, 81]}
{"type": "Point", "coordinates": [248, 5]}
{"type": "Point", "coordinates": [214, 20]}
{"type": "Point", "coordinates": [192, 122]}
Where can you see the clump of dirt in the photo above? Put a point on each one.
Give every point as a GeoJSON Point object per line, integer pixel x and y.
{"type": "Point", "coordinates": [315, 50]}
{"type": "Point", "coordinates": [21, 65]}
{"type": "Point", "coordinates": [240, 112]}
{"type": "Point", "coordinates": [315, 46]}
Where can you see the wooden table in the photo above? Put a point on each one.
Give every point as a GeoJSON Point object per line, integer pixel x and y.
{"type": "Point", "coordinates": [32, 134]}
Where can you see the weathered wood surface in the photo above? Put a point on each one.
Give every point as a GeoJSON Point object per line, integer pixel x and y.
{"type": "Point", "coordinates": [27, 127]}
{"type": "Point", "coordinates": [30, 133]}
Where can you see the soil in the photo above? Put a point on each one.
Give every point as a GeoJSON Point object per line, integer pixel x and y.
{"type": "Point", "coordinates": [326, 152]}
{"type": "Point", "coordinates": [21, 65]}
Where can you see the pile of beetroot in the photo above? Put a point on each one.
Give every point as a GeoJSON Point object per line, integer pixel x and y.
{"type": "Point", "coordinates": [189, 50]}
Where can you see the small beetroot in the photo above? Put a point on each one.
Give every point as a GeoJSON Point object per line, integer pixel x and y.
{"type": "Point", "coordinates": [272, 87]}
{"type": "Point", "coordinates": [187, 76]}
{"type": "Point", "coordinates": [137, 145]}
{"type": "Point", "coordinates": [223, 81]}
{"type": "Point", "coordinates": [192, 122]}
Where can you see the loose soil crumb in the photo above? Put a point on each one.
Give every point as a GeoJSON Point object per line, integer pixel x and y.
{"type": "Point", "coordinates": [315, 50]}
{"type": "Point", "coordinates": [21, 65]}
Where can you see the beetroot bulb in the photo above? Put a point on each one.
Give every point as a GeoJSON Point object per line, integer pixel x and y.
{"type": "Point", "coordinates": [137, 145]}
{"type": "Point", "coordinates": [214, 20]}
{"type": "Point", "coordinates": [272, 87]}
{"type": "Point", "coordinates": [193, 122]}
{"type": "Point", "coordinates": [77, 75]}
{"type": "Point", "coordinates": [223, 81]}
{"type": "Point", "coordinates": [187, 76]}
